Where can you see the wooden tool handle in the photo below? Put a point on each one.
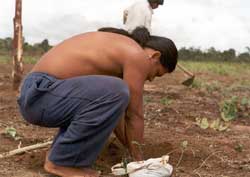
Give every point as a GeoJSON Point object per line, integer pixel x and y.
{"type": "Point", "coordinates": [185, 70]}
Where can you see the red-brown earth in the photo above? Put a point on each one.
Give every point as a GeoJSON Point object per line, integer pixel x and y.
{"type": "Point", "coordinates": [171, 110]}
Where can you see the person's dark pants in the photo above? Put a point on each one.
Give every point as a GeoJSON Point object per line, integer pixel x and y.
{"type": "Point", "coordinates": [86, 109]}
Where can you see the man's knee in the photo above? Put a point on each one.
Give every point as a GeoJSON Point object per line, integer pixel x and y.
{"type": "Point", "coordinates": [120, 88]}
{"type": "Point", "coordinates": [125, 96]}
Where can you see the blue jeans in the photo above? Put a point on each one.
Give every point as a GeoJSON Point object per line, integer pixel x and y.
{"type": "Point", "coordinates": [86, 109]}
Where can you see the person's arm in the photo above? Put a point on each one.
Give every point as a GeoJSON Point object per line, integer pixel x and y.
{"type": "Point", "coordinates": [125, 15]}
{"type": "Point", "coordinates": [135, 75]}
{"type": "Point", "coordinates": [120, 131]}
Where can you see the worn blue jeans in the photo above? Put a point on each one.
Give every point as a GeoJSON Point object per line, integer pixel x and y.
{"type": "Point", "coordinates": [86, 109]}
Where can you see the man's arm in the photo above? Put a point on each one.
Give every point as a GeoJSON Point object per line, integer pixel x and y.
{"type": "Point", "coordinates": [135, 75]}
{"type": "Point", "coordinates": [120, 131]}
{"type": "Point", "coordinates": [125, 15]}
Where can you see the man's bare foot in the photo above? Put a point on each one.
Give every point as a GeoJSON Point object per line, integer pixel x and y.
{"type": "Point", "coordinates": [69, 171]}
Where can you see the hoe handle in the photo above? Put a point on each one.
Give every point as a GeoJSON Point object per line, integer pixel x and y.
{"type": "Point", "coordinates": [185, 70]}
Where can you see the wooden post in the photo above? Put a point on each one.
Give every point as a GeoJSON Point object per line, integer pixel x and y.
{"type": "Point", "coordinates": [17, 51]}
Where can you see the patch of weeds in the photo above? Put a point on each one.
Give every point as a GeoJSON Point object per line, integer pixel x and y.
{"type": "Point", "coordinates": [245, 83]}
{"type": "Point", "coordinates": [222, 71]}
{"type": "Point", "coordinates": [229, 109]}
{"type": "Point", "coordinates": [221, 68]}
{"type": "Point", "coordinates": [196, 84]}
{"type": "Point", "coordinates": [166, 101]}
{"type": "Point", "coordinates": [234, 108]}
{"type": "Point", "coordinates": [211, 87]}
{"type": "Point", "coordinates": [4, 59]}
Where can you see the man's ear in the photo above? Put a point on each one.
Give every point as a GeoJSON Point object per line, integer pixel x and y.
{"type": "Point", "coordinates": [156, 56]}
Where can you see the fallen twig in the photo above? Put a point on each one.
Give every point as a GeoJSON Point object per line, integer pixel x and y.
{"type": "Point", "coordinates": [173, 151]}
{"type": "Point", "coordinates": [195, 170]}
{"type": "Point", "coordinates": [198, 174]}
{"type": "Point", "coordinates": [179, 161]}
{"type": "Point", "coordinates": [24, 149]}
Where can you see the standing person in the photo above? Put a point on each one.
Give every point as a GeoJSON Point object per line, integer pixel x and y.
{"type": "Point", "coordinates": [140, 14]}
{"type": "Point", "coordinates": [84, 86]}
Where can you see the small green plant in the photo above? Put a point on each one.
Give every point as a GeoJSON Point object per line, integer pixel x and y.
{"type": "Point", "coordinates": [215, 124]}
{"type": "Point", "coordinates": [184, 144]}
{"type": "Point", "coordinates": [124, 164]}
{"type": "Point", "coordinates": [12, 133]}
{"type": "Point", "coordinates": [125, 160]}
{"type": "Point", "coordinates": [229, 109]}
{"type": "Point", "coordinates": [166, 101]}
{"type": "Point", "coordinates": [239, 147]}
{"type": "Point", "coordinates": [219, 125]}
{"type": "Point", "coordinates": [202, 123]}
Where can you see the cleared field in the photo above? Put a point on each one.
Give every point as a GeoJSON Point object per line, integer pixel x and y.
{"type": "Point", "coordinates": [205, 128]}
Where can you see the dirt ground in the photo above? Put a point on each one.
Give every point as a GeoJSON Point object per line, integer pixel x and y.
{"type": "Point", "coordinates": [171, 110]}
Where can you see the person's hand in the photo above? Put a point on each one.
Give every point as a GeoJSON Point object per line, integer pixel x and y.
{"type": "Point", "coordinates": [136, 151]}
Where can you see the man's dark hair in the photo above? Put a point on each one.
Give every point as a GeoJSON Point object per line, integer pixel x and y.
{"type": "Point", "coordinates": [160, 2]}
{"type": "Point", "coordinates": [169, 52]}
{"type": "Point", "coordinates": [141, 35]}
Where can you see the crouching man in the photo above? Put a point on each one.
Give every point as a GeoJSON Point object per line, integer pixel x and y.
{"type": "Point", "coordinates": [84, 85]}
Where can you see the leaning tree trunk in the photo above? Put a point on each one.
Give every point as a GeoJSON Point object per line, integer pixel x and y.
{"type": "Point", "coordinates": [17, 50]}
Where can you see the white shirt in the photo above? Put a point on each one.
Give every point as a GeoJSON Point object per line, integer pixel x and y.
{"type": "Point", "coordinates": [138, 14]}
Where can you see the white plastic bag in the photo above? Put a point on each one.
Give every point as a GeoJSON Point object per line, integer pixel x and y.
{"type": "Point", "coordinates": [154, 167]}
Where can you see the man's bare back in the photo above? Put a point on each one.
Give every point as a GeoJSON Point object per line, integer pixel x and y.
{"type": "Point", "coordinates": [97, 53]}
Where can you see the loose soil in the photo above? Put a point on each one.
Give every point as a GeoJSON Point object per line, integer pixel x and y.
{"type": "Point", "coordinates": [171, 110]}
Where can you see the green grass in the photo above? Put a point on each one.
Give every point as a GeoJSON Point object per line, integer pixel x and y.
{"type": "Point", "coordinates": [5, 59]}
{"type": "Point", "coordinates": [220, 68]}
{"type": "Point", "coordinates": [31, 59]}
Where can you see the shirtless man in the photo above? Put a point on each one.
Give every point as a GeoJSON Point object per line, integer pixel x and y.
{"type": "Point", "coordinates": [84, 85]}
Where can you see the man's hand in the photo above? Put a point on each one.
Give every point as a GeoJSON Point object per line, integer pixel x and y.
{"type": "Point", "coordinates": [120, 132]}
{"type": "Point", "coordinates": [137, 153]}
